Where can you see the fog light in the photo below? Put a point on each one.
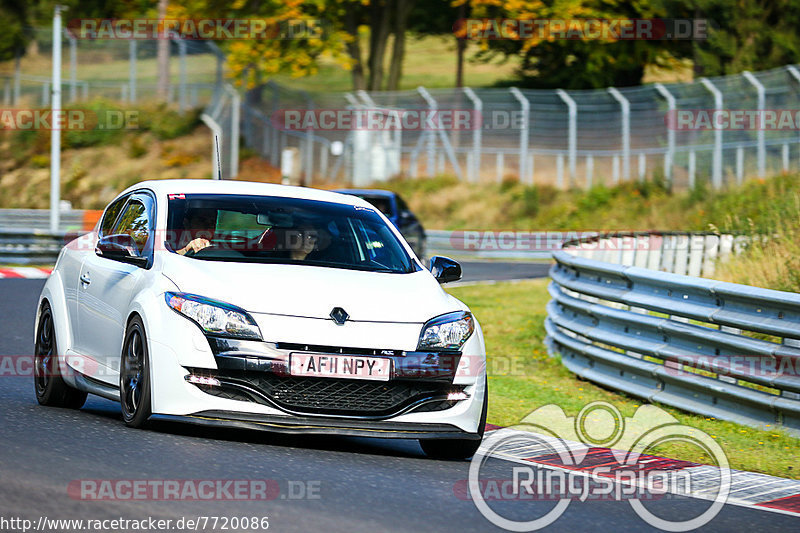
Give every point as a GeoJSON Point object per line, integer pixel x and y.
{"type": "Point", "coordinates": [457, 395]}
{"type": "Point", "coordinates": [202, 380]}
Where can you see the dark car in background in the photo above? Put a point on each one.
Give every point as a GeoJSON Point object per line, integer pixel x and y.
{"type": "Point", "coordinates": [398, 213]}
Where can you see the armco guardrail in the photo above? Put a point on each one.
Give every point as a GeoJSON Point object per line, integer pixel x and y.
{"type": "Point", "coordinates": [624, 315]}
{"type": "Point", "coordinates": [30, 247]}
{"type": "Point", "coordinates": [493, 244]}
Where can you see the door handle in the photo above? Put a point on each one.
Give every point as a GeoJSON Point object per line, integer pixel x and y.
{"type": "Point", "coordinates": [85, 278]}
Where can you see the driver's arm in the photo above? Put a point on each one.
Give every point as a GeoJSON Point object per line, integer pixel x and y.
{"type": "Point", "coordinates": [195, 246]}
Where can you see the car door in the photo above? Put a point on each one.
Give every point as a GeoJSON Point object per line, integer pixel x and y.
{"type": "Point", "coordinates": [106, 288]}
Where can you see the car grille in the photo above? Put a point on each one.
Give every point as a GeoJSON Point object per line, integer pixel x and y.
{"type": "Point", "coordinates": [347, 397]}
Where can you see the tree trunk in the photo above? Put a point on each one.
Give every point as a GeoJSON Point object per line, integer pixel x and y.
{"type": "Point", "coordinates": [461, 45]}
{"type": "Point", "coordinates": [403, 9]}
{"type": "Point", "coordinates": [380, 14]}
{"type": "Point", "coordinates": [162, 56]}
{"type": "Point", "coordinates": [354, 47]}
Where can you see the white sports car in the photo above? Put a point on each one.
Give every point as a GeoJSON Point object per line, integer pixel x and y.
{"type": "Point", "coordinates": [261, 306]}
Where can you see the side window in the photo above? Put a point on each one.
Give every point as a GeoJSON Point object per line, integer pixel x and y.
{"type": "Point", "coordinates": [135, 222]}
{"type": "Point", "coordinates": [401, 205]}
{"type": "Point", "coordinates": [111, 216]}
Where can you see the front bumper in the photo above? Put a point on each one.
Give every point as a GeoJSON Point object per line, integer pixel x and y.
{"type": "Point", "coordinates": [321, 425]}
{"type": "Point", "coordinates": [249, 371]}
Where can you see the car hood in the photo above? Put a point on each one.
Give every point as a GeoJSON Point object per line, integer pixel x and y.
{"type": "Point", "coordinates": [312, 291]}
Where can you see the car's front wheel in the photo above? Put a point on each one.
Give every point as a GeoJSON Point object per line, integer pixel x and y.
{"type": "Point", "coordinates": [51, 390]}
{"type": "Point", "coordinates": [457, 448]}
{"type": "Point", "coordinates": [134, 376]}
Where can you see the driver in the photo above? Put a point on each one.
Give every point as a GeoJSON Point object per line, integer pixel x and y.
{"type": "Point", "coordinates": [199, 226]}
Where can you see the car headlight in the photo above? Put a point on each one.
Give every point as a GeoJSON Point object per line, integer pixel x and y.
{"type": "Point", "coordinates": [214, 317]}
{"type": "Point", "coordinates": [447, 332]}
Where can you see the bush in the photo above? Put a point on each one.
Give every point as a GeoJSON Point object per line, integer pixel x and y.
{"type": "Point", "coordinates": [168, 124]}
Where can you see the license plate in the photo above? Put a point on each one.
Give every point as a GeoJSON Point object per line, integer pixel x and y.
{"type": "Point", "coordinates": [340, 366]}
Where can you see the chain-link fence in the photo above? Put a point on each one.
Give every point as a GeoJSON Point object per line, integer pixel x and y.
{"type": "Point", "coordinates": [575, 138]}
{"type": "Point", "coordinates": [121, 70]}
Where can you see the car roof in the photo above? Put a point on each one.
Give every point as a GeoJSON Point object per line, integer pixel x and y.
{"type": "Point", "coordinates": [206, 186]}
{"type": "Point", "coordinates": [367, 192]}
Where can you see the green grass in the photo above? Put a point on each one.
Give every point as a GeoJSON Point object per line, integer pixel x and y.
{"type": "Point", "coordinates": [523, 377]}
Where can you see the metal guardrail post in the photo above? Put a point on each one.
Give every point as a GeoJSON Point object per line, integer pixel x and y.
{"type": "Point", "coordinates": [760, 134]}
{"type": "Point", "coordinates": [524, 135]}
{"type": "Point", "coordinates": [572, 134]}
{"type": "Point", "coordinates": [625, 107]}
{"type": "Point", "coordinates": [477, 124]}
{"type": "Point", "coordinates": [669, 156]}
{"type": "Point", "coordinates": [716, 172]}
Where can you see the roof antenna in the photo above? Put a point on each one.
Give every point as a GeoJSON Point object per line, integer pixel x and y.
{"type": "Point", "coordinates": [219, 161]}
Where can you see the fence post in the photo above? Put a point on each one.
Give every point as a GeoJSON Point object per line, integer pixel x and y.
{"type": "Point", "coordinates": [642, 166]}
{"type": "Point", "coordinates": [17, 75]}
{"type": "Point", "coordinates": [182, 75]}
{"type": "Point", "coordinates": [235, 108]}
{"type": "Point", "coordinates": [762, 153]}
{"type": "Point", "coordinates": [448, 148]}
{"type": "Point", "coordinates": [274, 154]}
{"type": "Point", "coordinates": [477, 125]}
{"type": "Point", "coordinates": [626, 131]}
{"type": "Point", "coordinates": [739, 165]}
{"type": "Point", "coordinates": [132, 71]}
{"type": "Point", "coordinates": [589, 170]}
{"type": "Point", "coordinates": [785, 156]}
{"type": "Point", "coordinates": [523, 135]}
{"type": "Point", "coordinates": [572, 134]}
{"type": "Point", "coordinates": [716, 172]}
{"type": "Point", "coordinates": [794, 72]}
{"type": "Point", "coordinates": [669, 156]}
{"type": "Point", "coordinates": [500, 164]}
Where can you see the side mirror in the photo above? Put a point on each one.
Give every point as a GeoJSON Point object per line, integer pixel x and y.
{"type": "Point", "coordinates": [445, 269]}
{"type": "Point", "coordinates": [120, 248]}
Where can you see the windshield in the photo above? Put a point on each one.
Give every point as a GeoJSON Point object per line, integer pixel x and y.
{"type": "Point", "coordinates": [267, 229]}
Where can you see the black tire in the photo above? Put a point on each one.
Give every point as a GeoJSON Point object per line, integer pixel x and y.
{"type": "Point", "coordinates": [134, 376]}
{"type": "Point", "coordinates": [51, 390]}
{"type": "Point", "coordinates": [457, 449]}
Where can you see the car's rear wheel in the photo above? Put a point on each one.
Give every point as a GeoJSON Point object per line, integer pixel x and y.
{"type": "Point", "coordinates": [134, 376]}
{"type": "Point", "coordinates": [51, 390]}
{"type": "Point", "coordinates": [457, 449]}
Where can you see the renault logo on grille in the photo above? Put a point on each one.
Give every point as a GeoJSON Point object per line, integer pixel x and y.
{"type": "Point", "coordinates": [339, 315]}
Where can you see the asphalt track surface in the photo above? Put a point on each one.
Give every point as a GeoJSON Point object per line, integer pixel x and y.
{"type": "Point", "coordinates": [362, 484]}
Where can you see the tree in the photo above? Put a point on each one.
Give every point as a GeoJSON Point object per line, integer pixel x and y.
{"type": "Point", "coordinates": [581, 61]}
{"type": "Point", "coordinates": [746, 35]}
